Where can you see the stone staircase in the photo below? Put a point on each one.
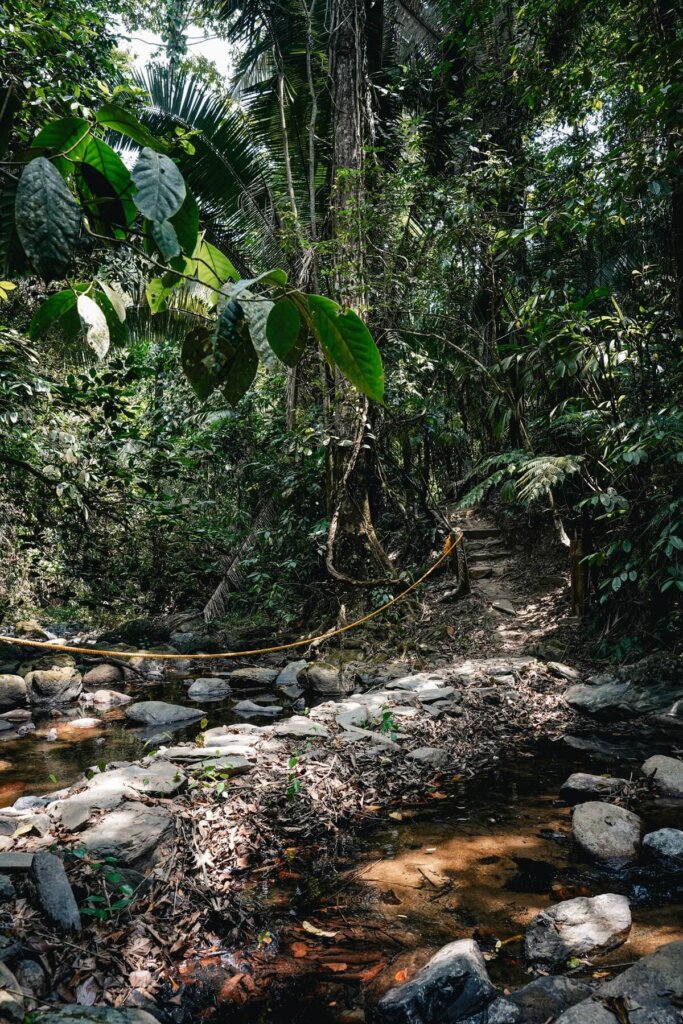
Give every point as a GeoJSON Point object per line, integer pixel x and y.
{"type": "Point", "coordinates": [489, 560]}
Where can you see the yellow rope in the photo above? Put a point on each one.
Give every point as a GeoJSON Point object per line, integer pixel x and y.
{"type": "Point", "coordinates": [449, 546]}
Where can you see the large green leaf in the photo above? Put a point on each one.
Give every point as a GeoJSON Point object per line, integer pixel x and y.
{"type": "Point", "coordinates": [256, 310]}
{"type": "Point", "coordinates": [50, 312]}
{"type": "Point", "coordinates": [241, 368]}
{"type": "Point", "coordinates": [286, 332]}
{"type": "Point", "coordinates": [67, 135]}
{"type": "Point", "coordinates": [109, 181]}
{"type": "Point", "coordinates": [48, 218]}
{"type": "Point", "coordinates": [186, 223]}
{"type": "Point", "coordinates": [212, 267]}
{"type": "Point", "coordinates": [95, 325]}
{"type": "Point", "coordinates": [198, 356]}
{"type": "Point", "coordinates": [224, 358]}
{"type": "Point", "coordinates": [347, 342]}
{"type": "Point", "coordinates": [160, 186]}
{"type": "Point", "coordinates": [116, 117]}
{"type": "Point", "coordinates": [166, 238]}
{"type": "Point", "coordinates": [277, 277]}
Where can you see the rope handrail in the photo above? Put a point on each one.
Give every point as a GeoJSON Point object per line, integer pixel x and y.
{"type": "Point", "coordinates": [450, 545]}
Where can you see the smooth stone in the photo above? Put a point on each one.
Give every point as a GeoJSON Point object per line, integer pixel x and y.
{"type": "Point", "coordinates": [351, 713]}
{"type": "Point", "coordinates": [209, 686]}
{"type": "Point", "coordinates": [416, 682]}
{"type": "Point", "coordinates": [253, 676]}
{"type": "Point", "coordinates": [288, 675]}
{"type": "Point", "coordinates": [53, 686]}
{"type": "Point", "coordinates": [249, 707]}
{"type": "Point", "coordinates": [581, 787]}
{"type": "Point", "coordinates": [107, 790]}
{"type": "Point", "coordinates": [578, 927]}
{"type": "Point", "coordinates": [54, 892]}
{"type": "Point", "coordinates": [110, 697]}
{"type": "Point", "coordinates": [558, 668]}
{"type": "Point", "coordinates": [666, 846]}
{"type": "Point", "coordinates": [653, 986]}
{"type": "Point", "coordinates": [95, 1015]}
{"type": "Point", "coordinates": [649, 687]}
{"type": "Point", "coordinates": [299, 725]}
{"type": "Point", "coordinates": [16, 861]}
{"type": "Point", "coordinates": [666, 773]}
{"type": "Point", "coordinates": [323, 680]}
{"type": "Point", "coordinates": [608, 834]}
{"type": "Point", "coordinates": [433, 756]}
{"type": "Point", "coordinates": [545, 998]}
{"type": "Point", "coordinates": [158, 712]}
{"type": "Point", "coordinates": [242, 728]}
{"type": "Point", "coordinates": [503, 605]}
{"type": "Point", "coordinates": [12, 691]}
{"type": "Point", "coordinates": [595, 749]}
{"type": "Point", "coordinates": [7, 890]}
{"type": "Point", "coordinates": [452, 986]}
{"type": "Point", "coordinates": [128, 835]}
{"type": "Point", "coordinates": [11, 997]}
{"type": "Point", "coordinates": [84, 723]}
{"type": "Point", "coordinates": [16, 715]}
{"type": "Point", "coordinates": [231, 764]}
{"type": "Point", "coordinates": [32, 978]}
{"type": "Point", "coordinates": [103, 676]}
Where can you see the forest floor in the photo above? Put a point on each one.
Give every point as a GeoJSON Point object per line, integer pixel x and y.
{"type": "Point", "coordinates": [243, 869]}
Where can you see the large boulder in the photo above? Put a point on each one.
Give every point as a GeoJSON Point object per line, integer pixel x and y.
{"type": "Point", "coordinates": [103, 675]}
{"type": "Point", "coordinates": [54, 892]}
{"type": "Point", "coordinates": [578, 927]}
{"type": "Point", "coordinates": [209, 686]}
{"type": "Point", "coordinates": [666, 773]}
{"type": "Point", "coordinates": [653, 987]}
{"type": "Point", "coordinates": [452, 986]}
{"type": "Point", "coordinates": [130, 836]}
{"type": "Point", "coordinates": [53, 686]}
{"type": "Point", "coordinates": [544, 999]}
{"type": "Point", "coordinates": [666, 847]}
{"type": "Point", "coordinates": [253, 675]}
{"type": "Point", "coordinates": [581, 787]}
{"type": "Point", "coordinates": [648, 688]}
{"type": "Point", "coordinates": [109, 698]}
{"type": "Point", "coordinates": [158, 712]}
{"type": "Point", "coordinates": [607, 834]}
{"type": "Point", "coordinates": [12, 692]}
{"type": "Point", "coordinates": [288, 675]}
{"type": "Point", "coordinates": [323, 680]}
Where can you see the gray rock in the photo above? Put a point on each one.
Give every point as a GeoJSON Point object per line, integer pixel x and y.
{"type": "Point", "coordinates": [433, 756]}
{"type": "Point", "coordinates": [253, 675]}
{"type": "Point", "coordinates": [250, 707]}
{"type": "Point", "coordinates": [299, 725]}
{"type": "Point", "coordinates": [11, 997]}
{"type": "Point", "coordinates": [545, 998]}
{"type": "Point", "coordinates": [32, 978]}
{"type": "Point", "coordinates": [578, 927]}
{"type": "Point", "coordinates": [289, 674]}
{"type": "Point", "coordinates": [453, 986]}
{"type": "Point", "coordinates": [209, 686]}
{"type": "Point", "coordinates": [323, 680]}
{"type": "Point", "coordinates": [580, 787]}
{"type": "Point", "coordinates": [7, 891]}
{"type": "Point", "coordinates": [672, 719]}
{"type": "Point", "coordinates": [666, 846]}
{"type": "Point", "coordinates": [110, 697]}
{"type": "Point", "coordinates": [608, 834]}
{"type": "Point", "coordinates": [666, 773]}
{"type": "Point", "coordinates": [53, 686]}
{"type": "Point", "coordinates": [12, 691]}
{"type": "Point", "coordinates": [654, 987]}
{"type": "Point", "coordinates": [558, 668]}
{"type": "Point", "coordinates": [106, 790]}
{"type": "Point", "coordinates": [158, 712]}
{"type": "Point", "coordinates": [649, 687]}
{"type": "Point", "coordinates": [16, 715]}
{"type": "Point", "coordinates": [15, 861]}
{"type": "Point", "coordinates": [597, 750]}
{"type": "Point", "coordinates": [103, 676]}
{"type": "Point", "coordinates": [84, 723]}
{"type": "Point", "coordinates": [54, 892]}
{"type": "Point", "coordinates": [501, 1011]}
{"type": "Point", "coordinates": [503, 605]}
{"type": "Point", "coordinates": [130, 835]}
{"type": "Point", "coordinates": [95, 1015]}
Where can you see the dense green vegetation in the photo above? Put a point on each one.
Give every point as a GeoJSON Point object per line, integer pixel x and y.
{"type": "Point", "coordinates": [492, 192]}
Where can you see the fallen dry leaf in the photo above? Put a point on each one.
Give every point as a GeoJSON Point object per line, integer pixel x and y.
{"type": "Point", "coordinates": [320, 932]}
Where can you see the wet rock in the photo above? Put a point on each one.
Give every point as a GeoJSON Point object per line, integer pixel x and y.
{"type": "Point", "coordinates": [12, 691]}
{"type": "Point", "coordinates": [95, 1015]}
{"type": "Point", "coordinates": [84, 723]}
{"type": "Point", "coordinates": [607, 834]}
{"type": "Point", "coordinates": [649, 687]}
{"type": "Point", "coordinates": [581, 787]}
{"type": "Point", "coordinates": [209, 686]}
{"type": "Point", "coordinates": [666, 846]}
{"type": "Point", "coordinates": [32, 978]}
{"type": "Point", "coordinates": [666, 773]}
{"type": "Point", "coordinates": [11, 997]}
{"type": "Point", "coordinates": [433, 756]}
{"type": "Point", "coordinates": [323, 680]}
{"type": "Point", "coordinates": [500, 1011]}
{"type": "Point", "coordinates": [53, 686]}
{"type": "Point", "coordinates": [545, 998]}
{"type": "Point", "coordinates": [653, 986]}
{"type": "Point", "coordinates": [55, 895]}
{"type": "Point", "coordinates": [289, 674]}
{"type": "Point", "coordinates": [109, 698]}
{"type": "Point", "coordinates": [7, 891]}
{"type": "Point", "coordinates": [158, 712]}
{"type": "Point", "coordinates": [557, 668]}
{"type": "Point", "coordinates": [578, 927]}
{"type": "Point", "coordinates": [299, 725]}
{"type": "Point", "coordinates": [453, 986]}
{"type": "Point", "coordinates": [130, 835]}
{"type": "Point", "coordinates": [250, 707]}
{"type": "Point", "coordinates": [16, 715]}
{"type": "Point", "coordinates": [106, 790]}
{"type": "Point", "coordinates": [597, 750]}
{"type": "Point", "coordinates": [253, 675]}
{"type": "Point", "coordinates": [24, 730]}
{"type": "Point", "coordinates": [672, 719]}
{"type": "Point", "coordinates": [103, 675]}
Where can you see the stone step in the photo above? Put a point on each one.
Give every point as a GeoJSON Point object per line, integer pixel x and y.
{"type": "Point", "coordinates": [483, 571]}
{"type": "Point", "coordinates": [480, 531]}
{"type": "Point", "coordinates": [487, 556]}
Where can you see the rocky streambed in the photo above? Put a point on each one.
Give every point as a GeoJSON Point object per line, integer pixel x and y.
{"type": "Point", "coordinates": [214, 870]}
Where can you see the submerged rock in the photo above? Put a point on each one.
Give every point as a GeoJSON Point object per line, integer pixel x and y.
{"type": "Point", "coordinates": [452, 986]}
{"type": "Point", "coordinates": [250, 707]}
{"type": "Point", "coordinates": [649, 687]}
{"type": "Point", "coordinates": [581, 787]}
{"type": "Point", "coordinates": [666, 773]}
{"type": "Point", "coordinates": [608, 834]}
{"type": "Point", "coordinates": [666, 846]}
{"type": "Point", "coordinates": [158, 712]}
{"type": "Point", "coordinates": [12, 691]}
{"type": "Point", "coordinates": [253, 675]}
{"type": "Point", "coordinates": [53, 686]}
{"type": "Point", "coordinates": [54, 892]}
{"type": "Point", "coordinates": [578, 927]}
